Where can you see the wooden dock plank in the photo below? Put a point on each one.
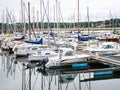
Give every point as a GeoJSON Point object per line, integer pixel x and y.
{"type": "Point", "coordinates": [106, 60]}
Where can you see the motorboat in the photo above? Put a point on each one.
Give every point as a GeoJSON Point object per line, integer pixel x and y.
{"type": "Point", "coordinates": [65, 55]}
{"type": "Point", "coordinates": [41, 55]}
{"type": "Point", "coordinates": [25, 49]}
{"type": "Point", "coordinates": [104, 47]}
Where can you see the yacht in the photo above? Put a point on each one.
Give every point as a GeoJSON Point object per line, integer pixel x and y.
{"type": "Point", "coordinates": [64, 56]}
{"type": "Point", "coordinates": [104, 47]}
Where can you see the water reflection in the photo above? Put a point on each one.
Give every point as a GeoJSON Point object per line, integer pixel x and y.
{"type": "Point", "coordinates": [31, 76]}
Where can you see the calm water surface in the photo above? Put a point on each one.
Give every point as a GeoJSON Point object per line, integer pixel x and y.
{"type": "Point", "coordinates": [15, 76]}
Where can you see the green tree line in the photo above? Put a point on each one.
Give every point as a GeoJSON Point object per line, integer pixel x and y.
{"type": "Point", "coordinates": [105, 23]}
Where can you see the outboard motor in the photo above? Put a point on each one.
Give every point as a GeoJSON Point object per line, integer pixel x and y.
{"type": "Point", "coordinates": [44, 61]}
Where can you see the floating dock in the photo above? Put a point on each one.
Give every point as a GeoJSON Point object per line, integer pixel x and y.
{"type": "Point", "coordinates": [105, 60]}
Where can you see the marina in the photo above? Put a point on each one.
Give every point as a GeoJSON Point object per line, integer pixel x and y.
{"type": "Point", "coordinates": [77, 69]}
{"type": "Point", "coordinates": [37, 65]}
{"type": "Point", "coordinates": [48, 45]}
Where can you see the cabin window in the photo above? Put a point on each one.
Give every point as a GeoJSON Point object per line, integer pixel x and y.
{"type": "Point", "coordinates": [69, 53]}
{"type": "Point", "coordinates": [108, 47]}
{"type": "Point", "coordinates": [39, 52]}
{"type": "Point", "coordinates": [34, 48]}
{"type": "Point", "coordinates": [47, 53]}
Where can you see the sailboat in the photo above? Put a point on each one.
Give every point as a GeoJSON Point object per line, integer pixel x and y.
{"type": "Point", "coordinates": [19, 38]}
{"type": "Point", "coordinates": [86, 37]}
{"type": "Point", "coordinates": [26, 48]}
{"type": "Point", "coordinates": [35, 42]}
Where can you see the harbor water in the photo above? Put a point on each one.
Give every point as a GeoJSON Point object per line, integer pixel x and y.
{"type": "Point", "coordinates": [19, 75]}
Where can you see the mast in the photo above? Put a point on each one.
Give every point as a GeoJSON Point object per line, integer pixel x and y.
{"type": "Point", "coordinates": [88, 25]}
{"type": "Point", "coordinates": [22, 15]}
{"type": "Point", "coordinates": [24, 18]}
{"type": "Point", "coordinates": [33, 17]}
{"type": "Point", "coordinates": [78, 17]}
{"type": "Point", "coordinates": [54, 17]}
{"type": "Point", "coordinates": [37, 19]}
{"type": "Point", "coordinates": [41, 13]}
{"type": "Point", "coordinates": [29, 20]}
{"type": "Point", "coordinates": [3, 21]}
{"type": "Point", "coordinates": [54, 22]}
{"type": "Point", "coordinates": [7, 22]}
{"type": "Point", "coordinates": [48, 27]}
{"type": "Point", "coordinates": [47, 16]}
{"type": "Point", "coordinates": [57, 4]}
{"type": "Point", "coordinates": [58, 20]}
{"type": "Point", "coordinates": [88, 20]}
{"type": "Point", "coordinates": [14, 24]}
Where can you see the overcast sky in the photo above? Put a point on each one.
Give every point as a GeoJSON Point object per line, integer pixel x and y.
{"type": "Point", "coordinates": [98, 9]}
